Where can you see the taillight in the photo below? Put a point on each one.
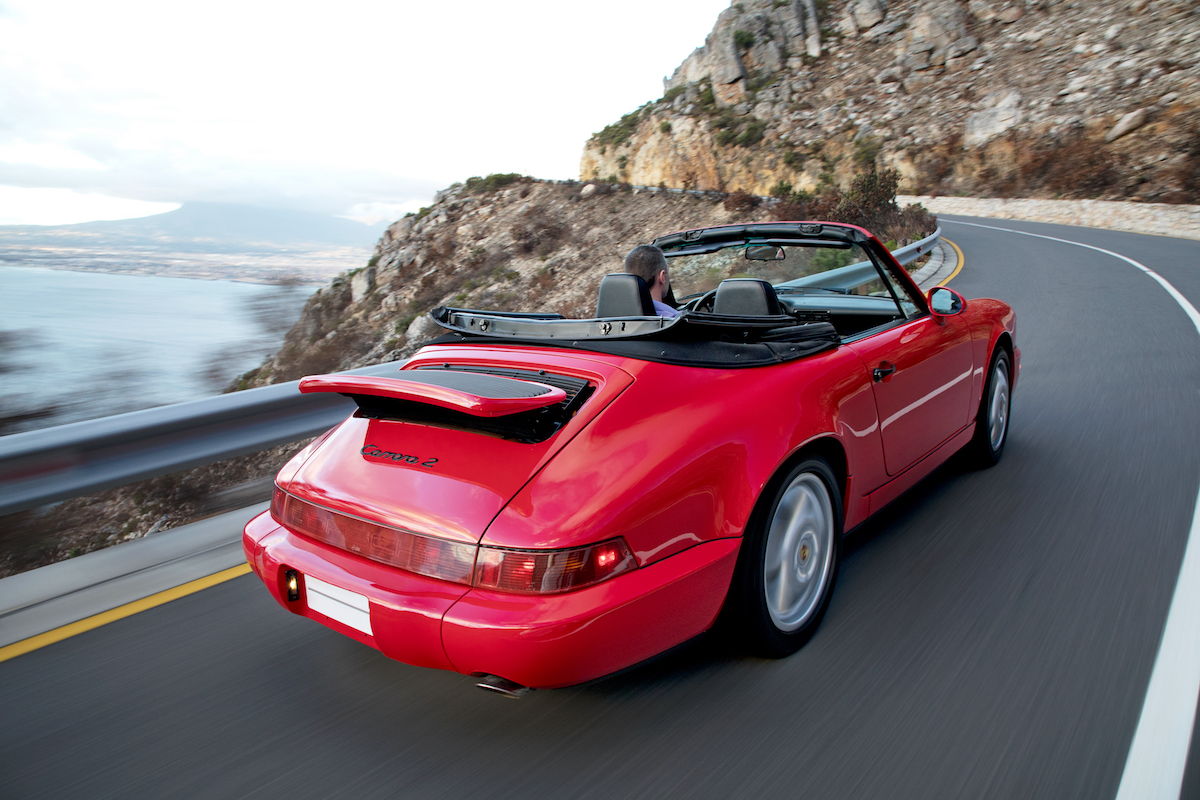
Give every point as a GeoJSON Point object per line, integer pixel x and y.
{"type": "Point", "coordinates": [424, 555]}
{"type": "Point", "coordinates": [546, 571]}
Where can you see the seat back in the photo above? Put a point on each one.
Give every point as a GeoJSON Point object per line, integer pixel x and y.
{"type": "Point", "coordinates": [746, 297]}
{"type": "Point", "coordinates": [624, 295]}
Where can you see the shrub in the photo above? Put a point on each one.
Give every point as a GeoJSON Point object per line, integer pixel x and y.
{"type": "Point", "coordinates": [665, 126]}
{"type": "Point", "coordinates": [867, 150]}
{"type": "Point", "coordinates": [621, 131]}
{"type": "Point", "coordinates": [793, 158]}
{"type": "Point", "coordinates": [743, 39]}
{"type": "Point", "coordinates": [670, 94]}
{"type": "Point", "coordinates": [492, 182]}
{"type": "Point", "coordinates": [752, 134]}
{"type": "Point", "coordinates": [741, 201]}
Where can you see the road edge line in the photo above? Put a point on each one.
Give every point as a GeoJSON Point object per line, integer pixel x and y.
{"type": "Point", "coordinates": [961, 259]}
{"type": "Point", "coordinates": [1156, 762]}
{"type": "Point", "coordinates": [120, 612]}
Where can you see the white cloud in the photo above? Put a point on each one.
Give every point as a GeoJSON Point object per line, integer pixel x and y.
{"type": "Point", "coordinates": [63, 207]}
{"type": "Point", "coordinates": [277, 100]}
{"type": "Point", "coordinates": [46, 154]}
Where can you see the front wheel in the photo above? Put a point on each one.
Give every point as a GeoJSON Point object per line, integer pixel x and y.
{"type": "Point", "coordinates": [991, 423]}
{"type": "Point", "coordinates": [789, 561]}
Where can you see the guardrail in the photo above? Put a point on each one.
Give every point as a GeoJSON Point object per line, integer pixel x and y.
{"type": "Point", "coordinates": [854, 275]}
{"type": "Point", "coordinates": [43, 466]}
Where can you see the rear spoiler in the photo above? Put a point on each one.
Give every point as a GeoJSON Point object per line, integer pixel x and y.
{"type": "Point", "coordinates": [471, 393]}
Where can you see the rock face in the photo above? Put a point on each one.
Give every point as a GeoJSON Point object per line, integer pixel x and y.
{"type": "Point", "coordinates": [1073, 98]}
{"type": "Point", "coordinates": [531, 246]}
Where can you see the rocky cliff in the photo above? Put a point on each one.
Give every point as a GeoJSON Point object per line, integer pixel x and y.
{"type": "Point", "coordinates": [504, 243]}
{"type": "Point", "coordinates": [1072, 98]}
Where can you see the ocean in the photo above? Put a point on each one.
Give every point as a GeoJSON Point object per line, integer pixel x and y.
{"type": "Point", "coordinates": [91, 344]}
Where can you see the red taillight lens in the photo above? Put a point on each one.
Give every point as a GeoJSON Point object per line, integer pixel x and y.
{"type": "Point", "coordinates": [424, 555]}
{"type": "Point", "coordinates": [546, 571]}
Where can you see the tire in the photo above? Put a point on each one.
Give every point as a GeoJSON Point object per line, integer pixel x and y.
{"type": "Point", "coordinates": [789, 561]}
{"type": "Point", "coordinates": [991, 423]}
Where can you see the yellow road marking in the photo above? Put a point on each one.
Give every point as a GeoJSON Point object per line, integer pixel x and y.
{"type": "Point", "coordinates": [961, 259]}
{"type": "Point", "coordinates": [120, 612]}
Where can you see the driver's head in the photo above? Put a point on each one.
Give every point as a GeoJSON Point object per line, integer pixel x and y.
{"type": "Point", "coordinates": [648, 262]}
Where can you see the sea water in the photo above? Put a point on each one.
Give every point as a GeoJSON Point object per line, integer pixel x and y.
{"type": "Point", "coordinates": [91, 344]}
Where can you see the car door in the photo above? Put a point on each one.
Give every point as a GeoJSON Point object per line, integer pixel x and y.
{"type": "Point", "coordinates": [921, 373]}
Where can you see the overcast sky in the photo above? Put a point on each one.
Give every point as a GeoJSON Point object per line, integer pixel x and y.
{"type": "Point", "coordinates": [125, 108]}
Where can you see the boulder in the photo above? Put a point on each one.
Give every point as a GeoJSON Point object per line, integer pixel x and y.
{"type": "Point", "coordinates": [361, 284]}
{"type": "Point", "coordinates": [868, 13]}
{"type": "Point", "coordinates": [939, 24]}
{"type": "Point", "coordinates": [1001, 111]}
{"type": "Point", "coordinates": [1127, 124]}
{"type": "Point", "coordinates": [587, 191]}
{"type": "Point", "coordinates": [422, 329]}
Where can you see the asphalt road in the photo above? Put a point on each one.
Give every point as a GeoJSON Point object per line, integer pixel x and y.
{"type": "Point", "coordinates": [992, 634]}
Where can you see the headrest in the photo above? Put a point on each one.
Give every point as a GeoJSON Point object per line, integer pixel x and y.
{"type": "Point", "coordinates": [624, 295]}
{"type": "Point", "coordinates": [746, 297]}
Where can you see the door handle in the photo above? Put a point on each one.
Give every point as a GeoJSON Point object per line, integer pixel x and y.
{"type": "Point", "coordinates": [883, 371]}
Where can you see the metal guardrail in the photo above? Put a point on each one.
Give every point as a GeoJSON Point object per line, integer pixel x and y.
{"type": "Point", "coordinates": [42, 466]}
{"type": "Point", "coordinates": [853, 275]}
{"type": "Point", "coordinates": [57, 463]}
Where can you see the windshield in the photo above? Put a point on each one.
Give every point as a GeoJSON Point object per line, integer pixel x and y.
{"type": "Point", "coordinates": [791, 269]}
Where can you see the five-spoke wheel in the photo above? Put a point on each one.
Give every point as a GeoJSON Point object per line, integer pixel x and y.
{"type": "Point", "coordinates": [789, 560]}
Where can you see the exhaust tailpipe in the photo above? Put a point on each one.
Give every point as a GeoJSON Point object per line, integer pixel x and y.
{"type": "Point", "coordinates": [503, 687]}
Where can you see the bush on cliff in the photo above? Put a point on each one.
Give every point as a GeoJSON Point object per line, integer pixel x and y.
{"type": "Point", "coordinates": [869, 202]}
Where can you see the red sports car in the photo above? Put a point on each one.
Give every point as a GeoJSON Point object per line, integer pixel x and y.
{"type": "Point", "coordinates": [539, 501]}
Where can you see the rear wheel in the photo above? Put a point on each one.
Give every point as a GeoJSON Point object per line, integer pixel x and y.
{"type": "Point", "coordinates": [991, 423]}
{"type": "Point", "coordinates": [789, 561]}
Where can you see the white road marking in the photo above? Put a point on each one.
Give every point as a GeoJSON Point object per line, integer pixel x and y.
{"type": "Point", "coordinates": [1158, 756]}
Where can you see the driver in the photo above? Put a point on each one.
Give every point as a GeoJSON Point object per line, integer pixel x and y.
{"type": "Point", "coordinates": [648, 263]}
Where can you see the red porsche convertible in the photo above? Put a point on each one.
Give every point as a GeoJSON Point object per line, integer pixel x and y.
{"type": "Point", "coordinates": [539, 501]}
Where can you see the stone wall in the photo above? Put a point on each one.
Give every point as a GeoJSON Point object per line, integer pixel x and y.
{"type": "Point", "coordinates": [1166, 220]}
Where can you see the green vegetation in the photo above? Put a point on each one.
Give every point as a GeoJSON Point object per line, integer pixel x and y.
{"type": "Point", "coordinates": [743, 39]}
{"type": "Point", "coordinates": [781, 3]}
{"type": "Point", "coordinates": [752, 134]}
{"type": "Point", "coordinates": [792, 157]}
{"type": "Point", "coordinates": [373, 261]}
{"type": "Point", "coordinates": [621, 131]}
{"type": "Point", "coordinates": [665, 126]}
{"type": "Point", "coordinates": [477, 185]}
{"type": "Point", "coordinates": [622, 162]}
{"type": "Point", "coordinates": [870, 202]}
{"type": "Point", "coordinates": [757, 81]}
{"type": "Point", "coordinates": [670, 94]}
{"type": "Point", "coordinates": [866, 150]}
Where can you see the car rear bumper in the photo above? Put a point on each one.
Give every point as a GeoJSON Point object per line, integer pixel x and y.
{"type": "Point", "coordinates": [541, 641]}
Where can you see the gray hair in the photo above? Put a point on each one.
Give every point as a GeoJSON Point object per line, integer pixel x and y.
{"type": "Point", "coordinates": [645, 261]}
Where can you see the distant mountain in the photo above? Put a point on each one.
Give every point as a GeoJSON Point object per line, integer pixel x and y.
{"type": "Point", "coordinates": [212, 227]}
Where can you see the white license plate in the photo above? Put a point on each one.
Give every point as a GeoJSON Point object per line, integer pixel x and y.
{"type": "Point", "coordinates": [349, 608]}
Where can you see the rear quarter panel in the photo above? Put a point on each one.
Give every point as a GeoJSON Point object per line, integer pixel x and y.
{"type": "Point", "coordinates": [683, 454]}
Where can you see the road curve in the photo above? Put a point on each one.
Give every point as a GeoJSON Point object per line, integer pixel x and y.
{"type": "Point", "coordinates": [992, 634]}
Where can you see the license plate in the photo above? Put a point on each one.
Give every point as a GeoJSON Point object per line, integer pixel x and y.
{"type": "Point", "coordinates": [349, 608]}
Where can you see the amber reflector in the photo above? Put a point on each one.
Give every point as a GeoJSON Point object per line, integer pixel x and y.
{"type": "Point", "coordinates": [424, 555]}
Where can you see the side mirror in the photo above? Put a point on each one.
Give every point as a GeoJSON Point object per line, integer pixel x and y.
{"type": "Point", "coordinates": [945, 302]}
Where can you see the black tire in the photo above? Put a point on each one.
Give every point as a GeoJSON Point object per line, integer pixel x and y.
{"type": "Point", "coordinates": [991, 422]}
{"type": "Point", "coordinates": [778, 627]}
